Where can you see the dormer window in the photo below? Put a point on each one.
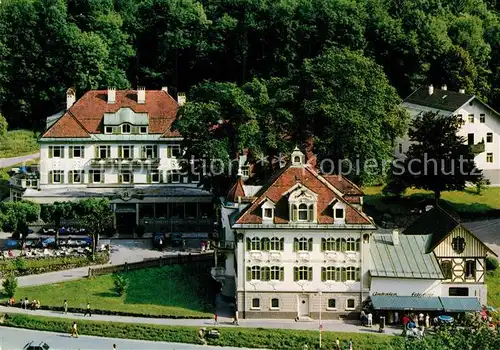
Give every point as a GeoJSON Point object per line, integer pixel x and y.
{"type": "Point", "coordinates": [303, 212]}
{"type": "Point", "coordinates": [298, 158]}
{"type": "Point", "coordinates": [302, 203]}
{"type": "Point", "coordinates": [268, 211]}
{"type": "Point", "coordinates": [126, 129]}
{"type": "Point", "coordinates": [108, 130]}
{"type": "Point", "coordinates": [339, 213]}
{"type": "Point", "coordinates": [338, 209]}
{"type": "Point", "coordinates": [143, 130]}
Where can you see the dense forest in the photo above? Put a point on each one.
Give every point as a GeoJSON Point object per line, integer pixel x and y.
{"type": "Point", "coordinates": [47, 46]}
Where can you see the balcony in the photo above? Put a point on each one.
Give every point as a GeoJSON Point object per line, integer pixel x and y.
{"type": "Point", "coordinates": [218, 273]}
{"type": "Point", "coordinates": [477, 148]}
{"type": "Point", "coordinates": [125, 162]}
{"type": "Point", "coordinates": [225, 245]}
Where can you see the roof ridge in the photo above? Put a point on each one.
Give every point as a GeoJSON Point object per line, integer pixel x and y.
{"type": "Point", "coordinates": [79, 123]}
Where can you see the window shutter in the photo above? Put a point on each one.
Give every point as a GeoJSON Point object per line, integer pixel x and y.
{"type": "Point", "coordinates": [108, 151]}
{"type": "Point", "coordinates": [120, 152]}
{"type": "Point", "coordinates": [169, 152]}
{"type": "Point", "coordinates": [265, 274]}
{"type": "Point", "coordinates": [310, 244]}
{"type": "Point", "coordinates": [323, 274]}
{"type": "Point", "coordinates": [62, 151]}
{"type": "Point", "coordinates": [70, 151]}
{"type": "Point", "coordinates": [62, 177]}
{"type": "Point", "coordinates": [294, 213]}
{"type": "Point", "coordinates": [134, 130]}
{"type": "Point", "coordinates": [310, 274]}
{"type": "Point", "coordinates": [132, 152]}
{"type": "Point", "coordinates": [96, 151]}
{"type": "Point", "coordinates": [295, 244]}
{"type": "Point", "coordinates": [131, 177]}
{"type": "Point", "coordinates": [102, 176]}
{"type": "Point", "coordinates": [143, 151]}
{"type": "Point", "coordinates": [248, 244]}
{"type": "Point", "coordinates": [148, 177]}
{"type": "Point", "coordinates": [51, 173]}
{"type": "Point", "coordinates": [282, 244]}
{"type": "Point", "coordinates": [323, 244]}
{"type": "Point", "coordinates": [161, 173]}
{"type": "Point", "coordinates": [70, 176]}
{"type": "Point", "coordinates": [282, 273]}
{"type": "Point", "coordinates": [82, 151]}
{"type": "Point", "coordinates": [249, 273]}
{"type": "Point", "coordinates": [120, 178]}
{"type": "Point", "coordinates": [357, 274]}
{"type": "Point", "coordinates": [344, 274]}
{"type": "Point", "coordinates": [51, 151]}
{"type": "Point", "coordinates": [295, 273]}
{"type": "Point", "coordinates": [358, 241]}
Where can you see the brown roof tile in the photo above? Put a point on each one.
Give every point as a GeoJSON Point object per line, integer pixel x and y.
{"type": "Point", "coordinates": [236, 191]}
{"type": "Point", "coordinates": [284, 180]}
{"type": "Point", "coordinates": [90, 108]}
{"type": "Point", "coordinates": [66, 126]}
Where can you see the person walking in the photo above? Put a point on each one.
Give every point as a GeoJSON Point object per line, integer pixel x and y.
{"type": "Point", "coordinates": [74, 332]}
{"type": "Point", "coordinates": [350, 344]}
{"type": "Point", "coordinates": [427, 321]}
{"type": "Point", "coordinates": [26, 302]}
{"type": "Point", "coordinates": [87, 311]}
{"type": "Point", "coordinates": [114, 347]}
{"type": "Point", "coordinates": [216, 319]}
{"type": "Point", "coordinates": [236, 321]}
{"type": "Point", "coordinates": [396, 318]}
{"type": "Point", "coordinates": [65, 306]}
{"type": "Point", "coordinates": [337, 344]}
{"type": "Point", "coordinates": [370, 319]}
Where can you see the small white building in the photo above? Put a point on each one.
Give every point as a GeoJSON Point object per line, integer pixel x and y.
{"type": "Point", "coordinates": [480, 124]}
{"type": "Point", "coordinates": [300, 241]}
{"type": "Point", "coordinates": [119, 145]}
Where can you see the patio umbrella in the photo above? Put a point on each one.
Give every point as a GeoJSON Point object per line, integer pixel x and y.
{"type": "Point", "coordinates": [48, 241]}
{"type": "Point", "coordinates": [10, 243]}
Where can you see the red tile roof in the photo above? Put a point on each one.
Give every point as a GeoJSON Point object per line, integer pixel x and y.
{"type": "Point", "coordinates": [288, 177]}
{"type": "Point", "coordinates": [90, 108]}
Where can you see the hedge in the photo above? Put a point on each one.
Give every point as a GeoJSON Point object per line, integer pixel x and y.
{"type": "Point", "coordinates": [229, 336]}
{"type": "Point", "coordinates": [34, 266]}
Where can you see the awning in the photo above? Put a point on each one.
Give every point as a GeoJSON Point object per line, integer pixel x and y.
{"type": "Point", "coordinates": [460, 304]}
{"type": "Point", "coordinates": [390, 302]}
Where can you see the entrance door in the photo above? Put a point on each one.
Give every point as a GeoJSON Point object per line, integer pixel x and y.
{"type": "Point", "coordinates": [303, 305]}
{"type": "Point", "coordinates": [125, 223]}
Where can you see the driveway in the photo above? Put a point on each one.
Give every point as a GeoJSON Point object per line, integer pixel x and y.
{"type": "Point", "coordinates": [7, 162]}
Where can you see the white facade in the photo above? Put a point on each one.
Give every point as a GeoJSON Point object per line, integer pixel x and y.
{"type": "Point", "coordinates": [405, 287]}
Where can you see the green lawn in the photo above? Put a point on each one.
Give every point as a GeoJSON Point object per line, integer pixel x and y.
{"type": "Point", "coordinates": [493, 282]}
{"type": "Point", "coordinates": [234, 337]}
{"type": "Point", "coordinates": [18, 143]}
{"type": "Point", "coordinates": [467, 202]}
{"type": "Point", "coordinates": [168, 290]}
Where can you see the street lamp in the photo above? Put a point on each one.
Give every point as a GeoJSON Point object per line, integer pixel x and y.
{"type": "Point", "coordinates": [320, 324]}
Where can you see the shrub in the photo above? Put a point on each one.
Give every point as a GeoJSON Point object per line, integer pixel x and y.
{"type": "Point", "coordinates": [20, 264]}
{"type": "Point", "coordinates": [3, 125]}
{"type": "Point", "coordinates": [491, 263]}
{"type": "Point", "coordinates": [120, 283]}
{"type": "Point", "coordinates": [9, 285]}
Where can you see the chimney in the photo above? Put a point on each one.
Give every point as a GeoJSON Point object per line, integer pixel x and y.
{"type": "Point", "coordinates": [431, 89]}
{"type": "Point", "coordinates": [164, 88]}
{"type": "Point", "coordinates": [141, 94]}
{"type": "Point", "coordinates": [462, 91]}
{"type": "Point", "coordinates": [181, 98]}
{"type": "Point", "coordinates": [70, 98]}
{"type": "Point", "coordinates": [111, 95]}
{"type": "Point", "coordinates": [395, 237]}
{"type": "Point", "coordinates": [444, 87]}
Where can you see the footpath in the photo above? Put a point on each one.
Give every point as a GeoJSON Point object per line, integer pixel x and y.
{"type": "Point", "coordinates": [328, 325]}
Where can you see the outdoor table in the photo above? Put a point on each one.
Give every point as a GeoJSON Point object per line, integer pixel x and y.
{"type": "Point", "coordinates": [446, 319]}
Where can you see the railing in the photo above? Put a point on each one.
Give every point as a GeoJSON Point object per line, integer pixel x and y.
{"type": "Point", "coordinates": [226, 245]}
{"type": "Point", "coordinates": [163, 261]}
{"type": "Point", "coordinates": [129, 162]}
{"type": "Point", "coordinates": [174, 221]}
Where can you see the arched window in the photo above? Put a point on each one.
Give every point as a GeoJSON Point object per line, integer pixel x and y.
{"type": "Point", "coordinates": [458, 244]}
{"type": "Point", "coordinates": [296, 159]}
{"type": "Point", "coordinates": [446, 267]}
{"type": "Point", "coordinates": [276, 244]}
{"type": "Point", "coordinates": [277, 273]}
{"type": "Point", "coordinates": [470, 269]}
{"type": "Point", "coordinates": [255, 244]}
{"type": "Point", "coordinates": [328, 273]}
{"type": "Point", "coordinates": [328, 244]}
{"type": "Point", "coordinates": [303, 273]}
{"type": "Point", "coordinates": [303, 244]}
{"type": "Point", "coordinates": [350, 273]}
{"type": "Point", "coordinates": [303, 212]}
{"type": "Point", "coordinates": [126, 129]}
{"type": "Point", "coordinates": [350, 245]}
{"type": "Point", "coordinates": [255, 272]}
{"type": "Point", "coordinates": [294, 213]}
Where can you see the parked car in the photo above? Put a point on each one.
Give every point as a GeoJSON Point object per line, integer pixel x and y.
{"type": "Point", "coordinates": [34, 346]}
{"type": "Point", "coordinates": [159, 240]}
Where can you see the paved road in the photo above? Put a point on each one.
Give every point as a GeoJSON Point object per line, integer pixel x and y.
{"type": "Point", "coordinates": [121, 251]}
{"type": "Point", "coordinates": [328, 325]}
{"type": "Point", "coordinates": [6, 162]}
{"type": "Point", "coordinates": [15, 339]}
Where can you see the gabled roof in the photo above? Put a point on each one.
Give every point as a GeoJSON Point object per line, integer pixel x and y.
{"type": "Point", "coordinates": [276, 190]}
{"type": "Point", "coordinates": [439, 224]}
{"type": "Point", "coordinates": [66, 126]}
{"type": "Point", "coordinates": [89, 111]}
{"type": "Point", "coordinates": [236, 191]}
{"type": "Point", "coordinates": [440, 99]}
{"type": "Point", "coordinates": [344, 185]}
{"type": "Point", "coordinates": [408, 259]}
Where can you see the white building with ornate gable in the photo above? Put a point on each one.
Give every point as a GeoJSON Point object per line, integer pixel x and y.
{"type": "Point", "coordinates": [300, 234]}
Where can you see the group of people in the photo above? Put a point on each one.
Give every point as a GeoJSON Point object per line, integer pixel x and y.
{"type": "Point", "coordinates": [26, 304]}
{"type": "Point", "coordinates": [413, 321]}
{"type": "Point", "coordinates": [337, 344]}
{"type": "Point", "coordinates": [366, 319]}
{"type": "Point", "coordinates": [88, 311]}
